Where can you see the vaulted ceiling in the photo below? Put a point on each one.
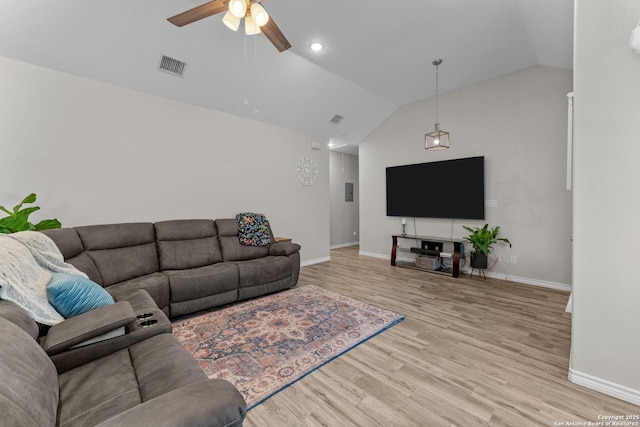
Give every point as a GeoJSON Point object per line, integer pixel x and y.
{"type": "Point", "coordinates": [377, 54]}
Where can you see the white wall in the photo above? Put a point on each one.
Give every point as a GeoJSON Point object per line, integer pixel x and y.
{"type": "Point", "coordinates": [344, 216]}
{"type": "Point", "coordinates": [98, 153]}
{"type": "Point", "coordinates": [519, 123]}
{"type": "Point", "coordinates": [606, 324]}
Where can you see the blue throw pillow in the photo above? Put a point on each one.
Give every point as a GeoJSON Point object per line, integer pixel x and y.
{"type": "Point", "coordinates": [71, 295]}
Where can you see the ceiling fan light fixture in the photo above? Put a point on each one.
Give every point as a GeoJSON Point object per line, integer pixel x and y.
{"type": "Point", "coordinates": [234, 11]}
{"type": "Point", "coordinates": [250, 26]}
{"type": "Point", "coordinates": [238, 8]}
{"type": "Point", "coordinates": [259, 15]}
{"type": "Point", "coordinates": [231, 21]}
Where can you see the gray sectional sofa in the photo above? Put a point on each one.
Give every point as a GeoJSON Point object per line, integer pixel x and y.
{"type": "Point", "coordinates": [73, 375]}
{"type": "Point", "coordinates": [185, 265]}
{"type": "Point", "coordinates": [143, 378]}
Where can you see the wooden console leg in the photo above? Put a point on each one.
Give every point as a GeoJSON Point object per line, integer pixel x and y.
{"type": "Point", "coordinates": [394, 248]}
{"type": "Point", "coordinates": [456, 259]}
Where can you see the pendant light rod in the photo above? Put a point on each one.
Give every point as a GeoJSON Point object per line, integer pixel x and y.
{"type": "Point", "coordinates": [437, 63]}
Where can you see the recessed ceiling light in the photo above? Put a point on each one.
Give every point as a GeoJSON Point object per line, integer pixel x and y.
{"type": "Point", "coordinates": [317, 46]}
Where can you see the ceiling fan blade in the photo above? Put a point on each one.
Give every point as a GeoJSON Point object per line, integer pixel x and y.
{"type": "Point", "coordinates": [198, 13]}
{"type": "Point", "coordinates": [275, 36]}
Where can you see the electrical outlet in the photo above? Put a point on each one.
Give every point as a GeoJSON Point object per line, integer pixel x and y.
{"type": "Point", "coordinates": [498, 258]}
{"type": "Point", "coordinates": [355, 233]}
{"type": "Point", "coordinates": [514, 259]}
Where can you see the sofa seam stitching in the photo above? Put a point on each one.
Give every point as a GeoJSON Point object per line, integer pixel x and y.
{"type": "Point", "coordinates": [135, 359]}
{"type": "Point", "coordinates": [96, 406]}
{"type": "Point", "coordinates": [234, 421]}
{"type": "Point", "coordinates": [135, 373]}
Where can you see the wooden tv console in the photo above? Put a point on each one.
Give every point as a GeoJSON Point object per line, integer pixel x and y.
{"type": "Point", "coordinates": [428, 246]}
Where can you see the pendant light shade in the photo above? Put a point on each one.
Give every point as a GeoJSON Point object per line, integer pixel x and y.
{"type": "Point", "coordinates": [238, 8]}
{"type": "Point", "coordinates": [250, 26]}
{"type": "Point", "coordinates": [259, 15]}
{"type": "Point", "coordinates": [231, 21]}
{"type": "Point", "coordinates": [437, 139]}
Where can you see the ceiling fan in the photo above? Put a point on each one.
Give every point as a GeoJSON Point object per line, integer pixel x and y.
{"type": "Point", "coordinates": [256, 19]}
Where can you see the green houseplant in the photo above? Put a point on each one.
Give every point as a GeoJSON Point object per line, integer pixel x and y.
{"type": "Point", "coordinates": [18, 218]}
{"type": "Point", "coordinates": [482, 240]}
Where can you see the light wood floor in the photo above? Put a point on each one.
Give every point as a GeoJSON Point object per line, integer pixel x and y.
{"type": "Point", "coordinates": [470, 352]}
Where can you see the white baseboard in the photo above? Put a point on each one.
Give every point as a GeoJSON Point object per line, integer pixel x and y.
{"type": "Point", "coordinates": [502, 276]}
{"type": "Point", "coordinates": [605, 387]}
{"type": "Point", "coordinates": [528, 281]}
{"type": "Point", "coordinates": [569, 308]}
{"type": "Point", "coordinates": [373, 255]}
{"type": "Point", "coordinates": [344, 245]}
{"type": "Point", "coordinates": [315, 261]}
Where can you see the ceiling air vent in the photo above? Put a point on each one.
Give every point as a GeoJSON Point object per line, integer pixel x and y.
{"type": "Point", "coordinates": [336, 119]}
{"type": "Point", "coordinates": [172, 66]}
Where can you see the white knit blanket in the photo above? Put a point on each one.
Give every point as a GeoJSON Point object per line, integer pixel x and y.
{"type": "Point", "coordinates": [27, 260]}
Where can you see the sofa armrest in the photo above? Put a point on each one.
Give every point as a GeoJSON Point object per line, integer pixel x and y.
{"type": "Point", "coordinates": [77, 329]}
{"type": "Point", "coordinates": [212, 402]}
{"type": "Point", "coordinates": [284, 248]}
{"type": "Point", "coordinates": [135, 332]}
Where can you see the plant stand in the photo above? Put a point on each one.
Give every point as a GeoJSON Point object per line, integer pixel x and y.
{"type": "Point", "coordinates": [479, 261]}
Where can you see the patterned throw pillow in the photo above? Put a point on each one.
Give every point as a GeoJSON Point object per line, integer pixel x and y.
{"type": "Point", "coordinates": [253, 229]}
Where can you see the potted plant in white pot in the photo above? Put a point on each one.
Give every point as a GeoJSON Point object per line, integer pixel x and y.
{"type": "Point", "coordinates": [482, 240]}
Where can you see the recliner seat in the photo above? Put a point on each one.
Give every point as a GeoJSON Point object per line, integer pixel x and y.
{"type": "Point", "coordinates": [134, 380]}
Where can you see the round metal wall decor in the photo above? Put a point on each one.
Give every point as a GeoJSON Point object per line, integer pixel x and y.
{"type": "Point", "coordinates": [307, 171]}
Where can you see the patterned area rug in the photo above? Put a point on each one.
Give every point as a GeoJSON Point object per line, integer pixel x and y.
{"type": "Point", "coordinates": [264, 345]}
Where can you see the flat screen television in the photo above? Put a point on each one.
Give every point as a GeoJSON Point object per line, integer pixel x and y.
{"type": "Point", "coordinates": [445, 189]}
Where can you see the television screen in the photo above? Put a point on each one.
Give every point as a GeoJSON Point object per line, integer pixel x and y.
{"type": "Point", "coordinates": [446, 189]}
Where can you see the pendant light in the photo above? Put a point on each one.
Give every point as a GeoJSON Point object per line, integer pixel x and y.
{"type": "Point", "coordinates": [438, 139]}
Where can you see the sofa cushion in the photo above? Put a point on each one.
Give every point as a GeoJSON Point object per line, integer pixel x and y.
{"type": "Point", "coordinates": [121, 251]}
{"type": "Point", "coordinates": [120, 264]}
{"type": "Point", "coordinates": [263, 270]}
{"type": "Point", "coordinates": [67, 240]}
{"type": "Point", "coordinates": [112, 384]}
{"type": "Point", "coordinates": [156, 284]}
{"type": "Point", "coordinates": [192, 306]}
{"type": "Point", "coordinates": [71, 294]}
{"type": "Point", "coordinates": [70, 245]}
{"type": "Point", "coordinates": [213, 402]}
{"type": "Point", "coordinates": [19, 316]}
{"type": "Point", "coordinates": [109, 236]}
{"type": "Point", "coordinates": [232, 249]}
{"type": "Point", "coordinates": [187, 244]}
{"type": "Point", "coordinates": [200, 282]}
{"type": "Point", "coordinates": [139, 299]}
{"type": "Point", "coordinates": [29, 381]}
{"type": "Point", "coordinates": [98, 390]}
{"type": "Point", "coordinates": [162, 364]}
